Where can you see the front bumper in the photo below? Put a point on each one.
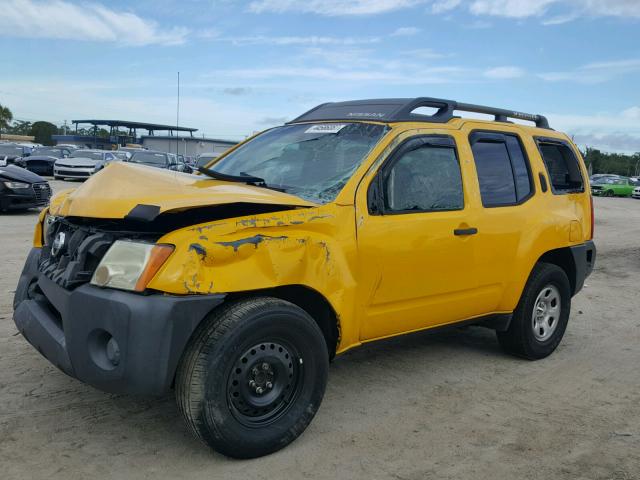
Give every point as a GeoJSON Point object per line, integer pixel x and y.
{"type": "Point", "coordinates": [73, 172]}
{"type": "Point", "coordinates": [113, 340]}
{"type": "Point", "coordinates": [17, 200]}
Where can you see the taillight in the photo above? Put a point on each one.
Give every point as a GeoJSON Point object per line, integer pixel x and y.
{"type": "Point", "coordinates": [593, 220]}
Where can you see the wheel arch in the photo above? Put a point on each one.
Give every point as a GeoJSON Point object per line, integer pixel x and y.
{"type": "Point", "coordinates": [311, 301]}
{"type": "Point", "coordinates": [563, 258]}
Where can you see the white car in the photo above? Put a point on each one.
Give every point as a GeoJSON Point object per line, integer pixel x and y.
{"type": "Point", "coordinates": [636, 192]}
{"type": "Point", "coordinates": [83, 163]}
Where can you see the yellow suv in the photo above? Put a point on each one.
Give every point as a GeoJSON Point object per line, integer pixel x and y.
{"type": "Point", "coordinates": [354, 222]}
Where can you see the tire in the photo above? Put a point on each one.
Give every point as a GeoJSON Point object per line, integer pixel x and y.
{"type": "Point", "coordinates": [214, 388]}
{"type": "Point", "coordinates": [534, 336]}
{"type": "Point", "coordinates": [608, 193]}
{"type": "Point", "coordinates": [58, 177]}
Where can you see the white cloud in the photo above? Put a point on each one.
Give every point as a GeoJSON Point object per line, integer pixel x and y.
{"type": "Point", "coordinates": [610, 142]}
{"type": "Point", "coordinates": [395, 74]}
{"type": "Point", "coordinates": [298, 40]}
{"type": "Point", "coordinates": [501, 73]}
{"type": "Point", "coordinates": [596, 72]}
{"type": "Point", "coordinates": [619, 8]}
{"type": "Point", "coordinates": [423, 53]}
{"type": "Point", "coordinates": [569, 9]}
{"type": "Point", "coordinates": [632, 113]}
{"type": "Point", "coordinates": [60, 19]}
{"type": "Point", "coordinates": [565, 10]}
{"type": "Point", "coordinates": [331, 7]}
{"type": "Point", "coordinates": [405, 32]}
{"type": "Point", "coordinates": [510, 8]}
{"type": "Point", "coordinates": [441, 6]}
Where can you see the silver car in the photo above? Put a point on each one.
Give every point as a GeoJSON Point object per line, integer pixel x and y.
{"type": "Point", "coordinates": [83, 163]}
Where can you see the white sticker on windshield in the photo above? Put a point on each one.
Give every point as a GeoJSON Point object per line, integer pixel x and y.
{"type": "Point", "coordinates": [326, 128]}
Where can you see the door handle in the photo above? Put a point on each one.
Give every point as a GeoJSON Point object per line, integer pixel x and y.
{"type": "Point", "coordinates": [465, 231]}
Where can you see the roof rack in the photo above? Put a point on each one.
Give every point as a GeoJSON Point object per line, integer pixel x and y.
{"type": "Point", "coordinates": [401, 110]}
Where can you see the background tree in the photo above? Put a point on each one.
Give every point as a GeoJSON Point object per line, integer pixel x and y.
{"type": "Point", "coordinates": [5, 118]}
{"type": "Point", "coordinates": [42, 132]}
{"type": "Point", "coordinates": [20, 127]}
{"type": "Point", "coordinates": [618, 163]}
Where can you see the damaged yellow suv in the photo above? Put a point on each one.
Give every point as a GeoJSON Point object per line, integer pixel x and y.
{"type": "Point", "coordinates": [354, 222]}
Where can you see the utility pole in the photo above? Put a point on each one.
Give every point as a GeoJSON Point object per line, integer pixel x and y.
{"type": "Point", "coordinates": [178, 115]}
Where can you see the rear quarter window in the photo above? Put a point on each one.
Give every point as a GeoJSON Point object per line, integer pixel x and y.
{"type": "Point", "coordinates": [503, 172]}
{"type": "Point", "coordinates": [562, 166]}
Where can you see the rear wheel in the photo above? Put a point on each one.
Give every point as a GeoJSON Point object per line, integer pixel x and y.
{"type": "Point", "coordinates": [540, 320]}
{"type": "Point", "coordinates": [253, 377]}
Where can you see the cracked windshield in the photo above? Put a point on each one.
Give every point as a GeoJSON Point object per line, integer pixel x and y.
{"type": "Point", "coordinates": [312, 161]}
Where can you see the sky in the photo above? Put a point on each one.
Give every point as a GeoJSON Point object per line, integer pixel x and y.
{"type": "Point", "coordinates": [248, 65]}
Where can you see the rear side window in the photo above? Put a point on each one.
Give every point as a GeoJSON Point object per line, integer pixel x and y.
{"type": "Point", "coordinates": [562, 167]}
{"type": "Point", "coordinates": [503, 173]}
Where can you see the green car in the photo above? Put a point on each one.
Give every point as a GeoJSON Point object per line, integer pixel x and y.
{"type": "Point", "coordinates": [612, 186]}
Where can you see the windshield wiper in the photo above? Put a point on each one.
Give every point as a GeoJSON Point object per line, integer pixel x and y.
{"type": "Point", "coordinates": [242, 178]}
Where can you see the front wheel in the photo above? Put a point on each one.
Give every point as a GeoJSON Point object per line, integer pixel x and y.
{"type": "Point", "coordinates": [540, 320]}
{"type": "Point", "coordinates": [253, 377]}
{"type": "Point", "coordinates": [608, 193]}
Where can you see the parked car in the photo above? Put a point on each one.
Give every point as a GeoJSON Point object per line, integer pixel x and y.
{"type": "Point", "coordinates": [157, 159]}
{"type": "Point", "coordinates": [131, 150]}
{"type": "Point", "coordinates": [203, 159]}
{"type": "Point", "coordinates": [42, 160]}
{"type": "Point", "coordinates": [10, 151]}
{"type": "Point", "coordinates": [21, 189]}
{"type": "Point", "coordinates": [612, 187]}
{"type": "Point", "coordinates": [636, 192]}
{"type": "Point", "coordinates": [355, 222]}
{"type": "Point", "coordinates": [68, 146]}
{"type": "Point", "coordinates": [83, 163]}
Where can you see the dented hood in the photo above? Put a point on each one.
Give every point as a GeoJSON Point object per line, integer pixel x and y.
{"type": "Point", "coordinates": [121, 187]}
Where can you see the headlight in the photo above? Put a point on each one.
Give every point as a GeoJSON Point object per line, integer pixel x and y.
{"type": "Point", "coordinates": [130, 265]}
{"type": "Point", "coordinates": [16, 185]}
{"type": "Point", "coordinates": [46, 226]}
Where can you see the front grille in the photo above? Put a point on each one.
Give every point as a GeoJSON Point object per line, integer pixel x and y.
{"type": "Point", "coordinates": [71, 260]}
{"type": "Point", "coordinates": [72, 173]}
{"type": "Point", "coordinates": [42, 192]}
{"type": "Point", "coordinates": [61, 165]}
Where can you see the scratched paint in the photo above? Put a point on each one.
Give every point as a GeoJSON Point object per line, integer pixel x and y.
{"type": "Point", "coordinates": [312, 247]}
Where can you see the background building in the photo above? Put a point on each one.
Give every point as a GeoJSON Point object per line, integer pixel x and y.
{"type": "Point", "coordinates": [187, 146]}
{"type": "Point", "coordinates": [111, 134]}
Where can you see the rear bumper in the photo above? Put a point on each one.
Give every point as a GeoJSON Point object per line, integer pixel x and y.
{"type": "Point", "coordinates": [40, 169]}
{"type": "Point", "coordinates": [113, 340]}
{"type": "Point", "coordinates": [584, 258]}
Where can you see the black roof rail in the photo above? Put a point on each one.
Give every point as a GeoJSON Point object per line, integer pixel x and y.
{"type": "Point", "coordinates": [401, 110]}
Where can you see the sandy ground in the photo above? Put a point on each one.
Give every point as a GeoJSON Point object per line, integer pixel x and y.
{"type": "Point", "coordinates": [447, 405]}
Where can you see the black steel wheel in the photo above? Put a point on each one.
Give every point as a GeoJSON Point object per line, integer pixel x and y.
{"type": "Point", "coordinates": [263, 383]}
{"type": "Point", "coordinates": [252, 377]}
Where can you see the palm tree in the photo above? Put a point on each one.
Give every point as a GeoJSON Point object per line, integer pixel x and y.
{"type": "Point", "coordinates": [5, 117]}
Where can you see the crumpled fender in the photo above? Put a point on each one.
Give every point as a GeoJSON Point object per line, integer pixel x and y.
{"type": "Point", "coordinates": [313, 247]}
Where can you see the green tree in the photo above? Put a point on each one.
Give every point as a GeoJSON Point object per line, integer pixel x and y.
{"type": "Point", "coordinates": [5, 117]}
{"type": "Point", "coordinates": [20, 127]}
{"type": "Point", "coordinates": [42, 132]}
